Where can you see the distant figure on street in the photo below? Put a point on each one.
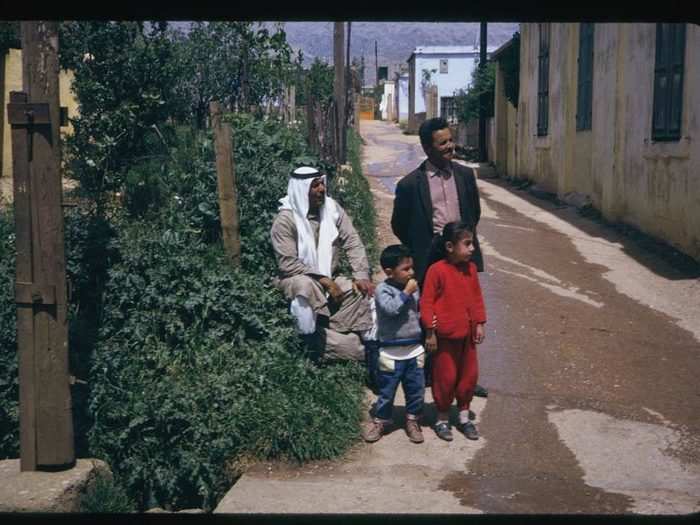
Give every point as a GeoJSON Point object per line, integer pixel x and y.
{"type": "Point", "coordinates": [401, 353]}
{"type": "Point", "coordinates": [437, 192]}
{"type": "Point", "coordinates": [331, 311]}
{"type": "Point", "coordinates": [453, 314]}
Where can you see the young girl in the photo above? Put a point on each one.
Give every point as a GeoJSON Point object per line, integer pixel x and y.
{"type": "Point", "coordinates": [453, 315]}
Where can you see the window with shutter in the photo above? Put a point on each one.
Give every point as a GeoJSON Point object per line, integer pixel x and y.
{"type": "Point", "coordinates": [543, 81]}
{"type": "Point", "coordinates": [584, 101]}
{"type": "Point", "coordinates": [668, 82]}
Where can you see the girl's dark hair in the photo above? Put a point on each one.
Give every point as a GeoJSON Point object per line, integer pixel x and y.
{"type": "Point", "coordinates": [452, 232]}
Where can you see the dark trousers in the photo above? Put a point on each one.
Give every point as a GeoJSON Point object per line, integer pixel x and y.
{"type": "Point", "coordinates": [408, 372]}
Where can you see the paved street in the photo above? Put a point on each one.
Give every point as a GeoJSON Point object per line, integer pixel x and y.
{"type": "Point", "coordinates": [591, 361]}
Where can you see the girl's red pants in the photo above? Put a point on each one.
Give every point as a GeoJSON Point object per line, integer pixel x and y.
{"type": "Point", "coordinates": [455, 372]}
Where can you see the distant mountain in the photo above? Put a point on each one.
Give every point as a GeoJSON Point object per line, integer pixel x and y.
{"type": "Point", "coordinates": [395, 40]}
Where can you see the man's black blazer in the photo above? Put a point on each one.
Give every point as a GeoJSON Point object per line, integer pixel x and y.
{"type": "Point", "coordinates": [412, 217]}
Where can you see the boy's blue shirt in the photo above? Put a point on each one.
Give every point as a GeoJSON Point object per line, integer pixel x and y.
{"type": "Point", "coordinates": [397, 313]}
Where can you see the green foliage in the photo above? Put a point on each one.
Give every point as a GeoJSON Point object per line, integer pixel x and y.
{"type": "Point", "coordinates": [125, 78]}
{"type": "Point", "coordinates": [318, 83]}
{"type": "Point", "coordinates": [196, 364]}
{"type": "Point", "coordinates": [105, 495]}
{"type": "Point", "coordinates": [237, 63]}
{"type": "Point", "coordinates": [479, 93]}
{"type": "Point", "coordinates": [509, 62]}
{"type": "Point", "coordinates": [9, 384]}
{"type": "Point", "coordinates": [9, 35]}
{"type": "Point", "coordinates": [355, 196]}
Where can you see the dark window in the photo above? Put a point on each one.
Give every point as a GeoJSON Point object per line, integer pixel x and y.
{"type": "Point", "coordinates": [543, 81]}
{"type": "Point", "coordinates": [668, 82]}
{"type": "Point", "coordinates": [584, 106]}
{"type": "Point", "coordinates": [447, 109]}
{"type": "Point", "coordinates": [63, 116]}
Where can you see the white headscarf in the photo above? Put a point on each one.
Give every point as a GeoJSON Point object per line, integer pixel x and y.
{"type": "Point", "coordinates": [297, 200]}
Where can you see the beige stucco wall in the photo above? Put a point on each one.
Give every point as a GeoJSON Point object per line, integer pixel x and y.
{"type": "Point", "coordinates": [653, 186]}
{"type": "Point", "coordinates": [11, 80]}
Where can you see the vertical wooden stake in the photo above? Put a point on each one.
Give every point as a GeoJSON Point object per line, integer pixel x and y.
{"type": "Point", "coordinates": [339, 90]}
{"type": "Point", "coordinates": [228, 198]}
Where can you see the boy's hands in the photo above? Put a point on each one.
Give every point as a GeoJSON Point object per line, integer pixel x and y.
{"type": "Point", "coordinates": [430, 341]}
{"type": "Point", "coordinates": [479, 334]}
{"type": "Point", "coordinates": [411, 286]}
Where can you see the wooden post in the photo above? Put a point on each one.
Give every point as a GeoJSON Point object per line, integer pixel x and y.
{"type": "Point", "coordinates": [46, 422]}
{"type": "Point", "coordinates": [226, 177]}
{"type": "Point", "coordinates": [483, 153]}
{"type": "Point", "coordinates": [339, 90]}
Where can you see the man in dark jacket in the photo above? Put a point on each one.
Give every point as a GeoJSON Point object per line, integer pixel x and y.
{"type": "Point", "coordinates": [435, 193]}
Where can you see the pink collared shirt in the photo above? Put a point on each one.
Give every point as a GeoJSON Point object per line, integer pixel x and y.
{"type": "Point", "coordinates": [443, 194]}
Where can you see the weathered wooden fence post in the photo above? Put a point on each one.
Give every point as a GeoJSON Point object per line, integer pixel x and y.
{"type": "Point", "coordinates": [46, 422]}
{"type": "Point", "coordinates": [226, 177]}
{"type": "Point", "coordinates": [339, 92]}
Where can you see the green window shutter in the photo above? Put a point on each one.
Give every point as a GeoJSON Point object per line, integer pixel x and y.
{"type": "Point", "coordinates": [584, 101]}
{"type": "Point", "coordinates": [543, 81]}
{"type": "Point", "coordinates": [668, 82]}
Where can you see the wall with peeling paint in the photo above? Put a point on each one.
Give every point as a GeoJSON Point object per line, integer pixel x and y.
{"type": "Point", "coordinates": [654, 186]}
{"type": "Point", "coordinates": [11, 80]}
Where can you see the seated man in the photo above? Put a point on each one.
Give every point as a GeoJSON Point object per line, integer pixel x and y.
{"type": "Point", "coordinates": [331, 311]}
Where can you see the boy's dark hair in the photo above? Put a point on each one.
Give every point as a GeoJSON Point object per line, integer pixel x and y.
{"type": "Point", "coordinates": [392, 255]}
{"type": "Point", "coordinates": [452, 232]}
{"type": "Point", "coordinates": [426, 130]}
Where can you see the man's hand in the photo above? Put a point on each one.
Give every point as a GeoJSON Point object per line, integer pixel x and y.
{"type": "Point", "coordinates": [332, 288]}
{"type": "Point", "coordinates": [479, 334]}
{"type": "Point", "coordinates": [365, 287]}
{"type": "Point", "coordinates": [430, 341]}
{"type": "Point", "coordinates": [411, 286]}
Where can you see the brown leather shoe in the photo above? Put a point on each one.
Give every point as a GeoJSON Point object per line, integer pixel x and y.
{"type": "Point", "coordinates": [413, 431]}
{"type": "Point", "coordinates": [373, 431]}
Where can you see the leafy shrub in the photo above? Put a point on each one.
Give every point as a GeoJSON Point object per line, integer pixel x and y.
{"type": "Point", "coordinates": [105, 495]}
{"type": "Point", "coordinates": [197, 365]}
{"type": "Point", "coordinates": [191, 366]}
{"type": "Point", "coordinates": [9, 382]}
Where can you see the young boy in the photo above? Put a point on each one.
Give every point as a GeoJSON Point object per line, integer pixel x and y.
{"type": "Point", "coordinates": [401, 354]}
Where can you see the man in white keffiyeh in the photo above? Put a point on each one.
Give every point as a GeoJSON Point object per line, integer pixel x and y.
{"type": "Point", "coordinates": [331, 311]}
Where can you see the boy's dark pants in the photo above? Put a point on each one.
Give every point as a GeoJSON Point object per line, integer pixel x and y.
{"type": "Point", "coordinates": [408, 372]}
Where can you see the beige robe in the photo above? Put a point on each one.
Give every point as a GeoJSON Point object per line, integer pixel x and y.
{"type": "Point", "coordinates": [296, 278]}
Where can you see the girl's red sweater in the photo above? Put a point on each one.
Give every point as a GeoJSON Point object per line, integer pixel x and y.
{"type": "Point", "coordinates": [453, 294]}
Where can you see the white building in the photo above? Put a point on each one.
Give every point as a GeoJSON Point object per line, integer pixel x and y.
{"type": "Point", "coordinates": [447, 68]}
{"type": "Point", "coordinates": [401, 98]}
{"type": "Point", "coordinates": [387, 105]}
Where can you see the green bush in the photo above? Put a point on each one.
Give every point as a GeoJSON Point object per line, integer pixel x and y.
{"type": "Point", "coordinates": [197, 365]}
{"type": "Point", "coordinates": [9, 382]}
{"type": "Point", "coordinates": [191, 366]}
{"type": "Point", "coordinates": [105, 495]}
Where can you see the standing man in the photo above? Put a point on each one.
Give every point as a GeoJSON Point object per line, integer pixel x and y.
{"type": "Point", "coordinates": [438, 191]}
{"type": "Point", "coordinates": [331, 311]}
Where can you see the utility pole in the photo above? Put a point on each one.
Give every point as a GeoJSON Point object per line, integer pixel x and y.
{"type": "Point", "coordinates": [46, 420]}
{"type": "Point", "coordinates": [339, 90]}
{"type": "Point", "coordinates": [376, 64]}
{"type": "Point", "coordinates": [349, 106]}
{"type": "Point", "coordinates": [483, 151]}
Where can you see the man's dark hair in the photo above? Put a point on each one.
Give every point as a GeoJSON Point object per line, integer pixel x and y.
{"type": "Point", "coordinates": [425, 132]}
{"type": "Point", "coordinates": [392, 255]}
